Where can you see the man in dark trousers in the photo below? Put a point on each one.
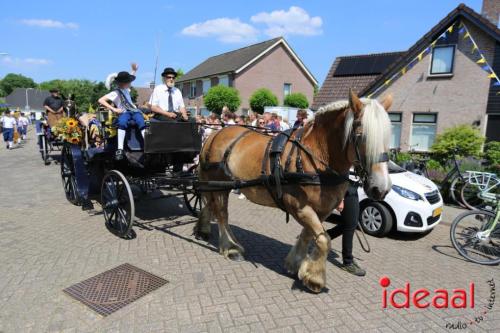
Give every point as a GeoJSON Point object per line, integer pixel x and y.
{"type": "Point", "coordinates": [346, 226]}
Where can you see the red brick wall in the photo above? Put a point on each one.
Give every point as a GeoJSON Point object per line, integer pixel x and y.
{"type": "Point", "coordinates": [272, 72]}
{"type": "Point", "coordinates": [491, 10]}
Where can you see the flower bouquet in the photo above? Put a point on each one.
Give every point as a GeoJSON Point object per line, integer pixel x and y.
{"type": "Point", "coordinates": [67, 129]}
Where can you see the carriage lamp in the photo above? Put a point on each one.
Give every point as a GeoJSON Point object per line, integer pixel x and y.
{"type": "Point", "coordinates": [406, 193]}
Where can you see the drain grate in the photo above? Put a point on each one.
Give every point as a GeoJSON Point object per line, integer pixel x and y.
{"type": "Point", "coordinates": [112, 290]}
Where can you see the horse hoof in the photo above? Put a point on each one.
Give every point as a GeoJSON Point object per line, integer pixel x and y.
{"type": "Point", "coordinates": [236, 256]}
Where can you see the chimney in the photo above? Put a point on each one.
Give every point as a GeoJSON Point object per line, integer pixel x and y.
{"type": "Point", "coordinates": [491, 10]}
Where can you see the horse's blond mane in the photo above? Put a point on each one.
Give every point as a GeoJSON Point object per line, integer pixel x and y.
{"type": "Point", "coordinates": [375, 122]}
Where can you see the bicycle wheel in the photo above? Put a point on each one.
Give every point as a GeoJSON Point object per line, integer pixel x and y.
{"type": "Point", "coordinates": [469, 236]}
{"type": "Point", "coordinates": [471, 199]}
{"type": "Point", "coordinates": [455, 191]}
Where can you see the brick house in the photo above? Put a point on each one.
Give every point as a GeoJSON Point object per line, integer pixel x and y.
{"type": "Point", "coordinates": [439, 82]}
{"type": "Point", "coordinates": [271, 64]}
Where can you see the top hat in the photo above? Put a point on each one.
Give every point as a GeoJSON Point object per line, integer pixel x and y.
{"type": "Point", "coordinates": [169, 70]}
{"type": "Point", "coordinates": [124, 77]}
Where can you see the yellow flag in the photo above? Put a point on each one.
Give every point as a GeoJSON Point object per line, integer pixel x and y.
{"type": "Point", "coordinates": [403, 71]}
{"type": "Point", "coordinates": [433, 43]}
{"type": "Point", "coordinates": [492, 76]}
{"type": "Point", "coordinates": [420, 56]}
{"type": "Point", "coordinates": [481, 61]}
{"type": "Point", "coordinates": [450, 29]}
{"type": "Point", "coordinates": [387, 82]}
{"type": "Point", "coordinates": [467, 34]}
{"type": "Point", "coordinates": [474, 47]}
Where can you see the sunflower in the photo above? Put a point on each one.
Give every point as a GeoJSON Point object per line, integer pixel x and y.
{"type": "Point", "coordinates": [71, 123]}
{"type": "Point", "coordinates": [74, 140]}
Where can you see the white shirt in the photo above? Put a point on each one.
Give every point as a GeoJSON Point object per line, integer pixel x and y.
{"type": "Point", "coordinates": [8, 122]}
{"type": "Point", "coordinates": [115, 98]}
{"type": "Point", "coordinates": [159, 97]}
{"type": "Point", "coordinates": [284, 126]}
{"type": "Point", "coordinates": [23, 121]}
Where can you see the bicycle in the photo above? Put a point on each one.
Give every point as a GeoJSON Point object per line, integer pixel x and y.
{"type": "Point", "coordinates": [477, 183]}
{"type": "Point", "coordinates": [476, 234]}
{"type": "Point", "coordinates": [456, 180]}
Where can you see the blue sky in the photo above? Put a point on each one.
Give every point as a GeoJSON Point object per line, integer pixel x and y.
{"type": "Point", "coordinates": [89, 39]}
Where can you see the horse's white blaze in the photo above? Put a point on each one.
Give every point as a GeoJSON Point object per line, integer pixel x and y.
{"type": "Point", "coordinates": [376, 135]}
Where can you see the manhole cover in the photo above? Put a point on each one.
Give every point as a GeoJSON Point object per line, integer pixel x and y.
{"type": "Point", "coordinates": [112, 290]}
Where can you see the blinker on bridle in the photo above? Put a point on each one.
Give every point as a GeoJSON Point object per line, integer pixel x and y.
{"type": "Point", "coordinates": [359, 167]}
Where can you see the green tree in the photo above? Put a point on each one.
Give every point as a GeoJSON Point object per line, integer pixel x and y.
{"type": "Point", "coordinates": [180, 73]}
{"type": "Point", "coordinates": [133, 94]}
{"type": "Point", "coordinates": [261, 98]}
{"type": "Point", "coordinates": [492, 154]}
{"type": "Point", "coordinates": [464, 139]}
{"type": "Point", "coordinates": [296, 100]}
{"type": "Point", "coordinates": [219, 96]}
{"type": "Point", "coordinates": [85, 92]}
{"type": "Point", "coordinates": [12, 81]}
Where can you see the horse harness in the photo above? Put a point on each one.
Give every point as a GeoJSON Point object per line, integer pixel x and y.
{"type": "Point", "coordinates": [280, 175]}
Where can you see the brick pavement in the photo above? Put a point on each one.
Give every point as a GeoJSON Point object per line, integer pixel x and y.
{"type": "Point", "coordinates": [46, 245]}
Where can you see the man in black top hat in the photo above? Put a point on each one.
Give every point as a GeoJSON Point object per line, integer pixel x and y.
{"type": "Point", "coordinates": [166, 101]}
{"type": "Point", "coordinates": [124, 108]}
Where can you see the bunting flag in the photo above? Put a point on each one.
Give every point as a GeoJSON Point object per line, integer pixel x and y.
{"type": "Point", "coordinates": [462, 29]}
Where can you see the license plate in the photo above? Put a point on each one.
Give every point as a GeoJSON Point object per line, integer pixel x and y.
{"type": "Point", "coordinates": [437, 211]}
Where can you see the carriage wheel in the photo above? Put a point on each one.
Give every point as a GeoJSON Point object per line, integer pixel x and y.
{"type": "Point", "coordinates": [68, 176]}
{"type": "Point", "coordinates": [118, 204]}
{"type": "Point", "coordinates": [193, 201]}
{"type": "Point", "coordinates": [45, 150]}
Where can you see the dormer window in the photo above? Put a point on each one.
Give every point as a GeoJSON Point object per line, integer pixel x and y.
{"type": "Point", "coordinates": [442, 60]}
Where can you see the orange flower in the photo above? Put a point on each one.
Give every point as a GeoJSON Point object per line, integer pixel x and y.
{"type": "Point", "coordinates": [74, 140]}
{"type": "Point", "coordinates": [71, 123]}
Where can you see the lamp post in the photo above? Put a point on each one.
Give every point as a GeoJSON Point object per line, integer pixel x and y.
{"type": "Point", "coordinates": [27, 107]}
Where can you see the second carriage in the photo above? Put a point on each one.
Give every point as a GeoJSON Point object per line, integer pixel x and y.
{"type": "Point", "coordinates": [163, 160]}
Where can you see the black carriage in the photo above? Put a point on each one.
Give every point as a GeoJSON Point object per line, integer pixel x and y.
{"type": "Point", "coordinates": [48, 143]}
{"type": "Point", "coordinates": [91, 173]}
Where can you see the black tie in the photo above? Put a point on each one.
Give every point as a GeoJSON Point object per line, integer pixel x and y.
{"type": "Point", "coordinates": [170, 100]}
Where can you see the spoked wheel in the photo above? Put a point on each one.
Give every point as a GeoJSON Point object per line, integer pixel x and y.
{"type": "Point", "coordinates": [193, 201]}
{"type": "Point", "coordinates": [68, 176]}
{"type": "Point", "coordinates": [117, 203]}
{"type": "Point", "coordinates": [456, 189]}
{"type": "Point", "coordinates": [44, 149]}
{"type": "Point", "coordinates": [471, 199]}
{"type": "Point", "coordinates": [474, 238]}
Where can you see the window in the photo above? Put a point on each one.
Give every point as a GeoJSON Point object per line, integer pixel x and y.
{"type": "Point", "coordinates": [442, 60]}
{"type": "Point", "coordinates": [192, 90]}
{"type": "Point", "coordinates": [287, 89]}
{"type": "Point", "coordinates": [206, 85]}
{"type": "Point", "coordinates": [224, 80]}
{"type": "Point", "coordinates": [423, 131]}
{"type": "Point", "coordinates": [395, 129]}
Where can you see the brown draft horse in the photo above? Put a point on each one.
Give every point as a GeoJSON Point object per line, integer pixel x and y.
{"type": "Point", "coordinates": [342, 134]}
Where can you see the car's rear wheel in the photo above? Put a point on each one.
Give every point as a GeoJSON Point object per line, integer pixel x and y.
{"type": "Point", "coordinates": [375, 219]}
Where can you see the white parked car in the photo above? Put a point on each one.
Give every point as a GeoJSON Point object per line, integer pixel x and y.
{"type": "Point", "coordinates": [413, 205]}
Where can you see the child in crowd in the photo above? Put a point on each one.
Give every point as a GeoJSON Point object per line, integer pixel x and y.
{"type": "Point", "coordinates": [9, 126]}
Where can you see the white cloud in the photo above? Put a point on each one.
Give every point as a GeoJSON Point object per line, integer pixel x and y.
{"type": "Point", "coordinates": [224, 29]}
{"type": "Point", "coordinates": [295, 21]}
{"type": "Point", "coordinates": [10, 61]}
{"type": "Point", "coordinates": [46, 23]}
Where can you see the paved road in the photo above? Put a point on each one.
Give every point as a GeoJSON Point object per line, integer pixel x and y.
{"type": "Point", "coordinates": [46, 245]}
